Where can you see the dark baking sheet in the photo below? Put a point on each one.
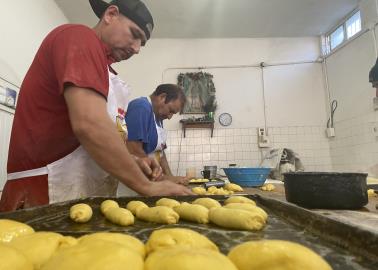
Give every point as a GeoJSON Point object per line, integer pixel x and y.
{"type": "Point", "coordinates": [280, 226]}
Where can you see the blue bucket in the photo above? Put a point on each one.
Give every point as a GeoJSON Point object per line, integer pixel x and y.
{"type": "Point", "coordinates": [247, 177]}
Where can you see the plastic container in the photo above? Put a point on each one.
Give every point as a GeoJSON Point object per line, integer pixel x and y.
{"type": "Point", "coordinates": [247, 177]}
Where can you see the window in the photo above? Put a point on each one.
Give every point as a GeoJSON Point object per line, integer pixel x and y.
{"type": "Point", "coordinates": [344, 32]}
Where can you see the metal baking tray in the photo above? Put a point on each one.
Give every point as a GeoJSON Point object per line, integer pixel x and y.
{"type": "Point", "coordinates": [342, 246]}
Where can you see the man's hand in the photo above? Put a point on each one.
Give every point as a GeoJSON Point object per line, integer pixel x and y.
{"type": "Point", "coordinates": [182, 180]}
{"type": "Point", "coordinates": [167, 188]}
{"type": "Point", "coordinates": [150, 167]}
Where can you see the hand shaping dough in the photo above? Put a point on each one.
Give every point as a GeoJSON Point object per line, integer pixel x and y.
{"type": "Point", "coordinates": [207, 202]}
{"type": "Point", "coordinates": [95, 255]}
{"type": "Point", "coordinates": [126, 240]}
{"type": "Point", "coordinates": [248, 207]}
{"type": "Point", "coordinates": [188, 259]}
{"type": "Point", "coordinates": [135, 206]}
{"type": "Point", "coordinates": [233, 187]}
{"type": "Point", "coordinates": [38, 247]}
{"type": "Point", "coordinates": [81, 212]}
{"type": "Point", "coordinates": [239, 199]}
{"type": "Point", "coordinates": [178, 237]}
{"type": "Point", "coordinates": [119, 216]}
{"type": "Point", "coordinates": [158, 214]}
{"type": "Point", "coordinates": [167, 202]}
{"type": "Point", "coordinates": [199, 190]}
{"type": "Point", "coordinates": [193, 212]}
{"type": "Point", "coordinates": [12, 259]}
{"type": "Point", "coordinates": [236, 219]}
{"type": "Point", "coordinates": [276, 254]}
{"type": "Point", "coordinates": [106, 205]}
{"type": "Point", "coordinates": [10, 229]}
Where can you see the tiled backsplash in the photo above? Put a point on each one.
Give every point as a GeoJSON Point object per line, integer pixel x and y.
{"type": "Point", "coordinates": [240, 146]}
{"type": "Point", "coordinates": [355, 147]}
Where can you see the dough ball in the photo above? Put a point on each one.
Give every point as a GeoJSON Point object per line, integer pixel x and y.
{"type": "Point", "coordinates": [126, 240]}
{"type": "Point", "coordinates": [81, 212]}
{"type": "Point", "coordinates": [268, 187]}
{"type": "Point", "coordinates": [12, 259]}
{"type": "Point", "coordinates": [193, 212]}
{"type": "Point", "coordinates": [134, 206]}
{"type": "Point", "coordinates": [119, 216]}
{"type": "Point", "coordinates": [248, 207]}
{"type": "Point", "coordinates": [178, 237]}
{"type": "Point", "coordinates": [188, 259]}
{"type": "Point", "coordinates": [167, 202]}
{"type": "Point", "coordinates": [207, 202]}
{"type": "Point", "coordinates": [95, 255]}
{"type": "Point", "coordinates": [371, 193]}
{"type": "Point", "coordinates": [236, 219]}
{"type": "Point", "coordinates": [38, 247]}
{"type": "Point", "coordinates": [106, 205]}
{"type": "Point", "coordinates": [158, 214]}
{"type": "Point", "coordinates": [10, 229]}
{"type": "Point", "coordinates": [274, 255]}
{"type": "Point", "coordinates": [239, 199]}
{"type": "Point", "coordinates": [199, 190]}
{"type": "Point", "coordinates": [233, 187]}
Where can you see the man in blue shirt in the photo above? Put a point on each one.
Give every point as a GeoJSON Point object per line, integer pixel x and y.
{"type": "Point", "coordinates": [144, 120]}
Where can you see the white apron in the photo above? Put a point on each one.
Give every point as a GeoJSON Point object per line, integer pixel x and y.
{"type": "Point", "coordinates": [77, 175]}
{"type": "Point", "coordinates": [157, 154]}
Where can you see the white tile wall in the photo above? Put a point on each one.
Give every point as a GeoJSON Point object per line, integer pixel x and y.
{"type": "Point", "coordinates": [240, 146]}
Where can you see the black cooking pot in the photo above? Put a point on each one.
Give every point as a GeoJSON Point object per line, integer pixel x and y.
{"type": "Point", "coordinates": [326, 190]}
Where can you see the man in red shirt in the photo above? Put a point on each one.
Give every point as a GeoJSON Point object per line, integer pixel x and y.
{"type": "Point", "coordinates": [65, 143]}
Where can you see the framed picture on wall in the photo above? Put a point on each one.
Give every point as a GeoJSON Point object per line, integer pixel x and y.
{"type": "Point", "coordinates": [199, 92]}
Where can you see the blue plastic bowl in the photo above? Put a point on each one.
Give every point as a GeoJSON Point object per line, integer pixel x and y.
{"type": "Point", "coordinates": [247, 177]}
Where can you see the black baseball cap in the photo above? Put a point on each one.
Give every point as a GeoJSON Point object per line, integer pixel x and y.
{"type": "Point", "coordinates": [135, 10]}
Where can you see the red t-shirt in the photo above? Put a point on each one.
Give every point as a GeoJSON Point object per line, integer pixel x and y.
{"type": "Point", "coordinates": [42, 132]}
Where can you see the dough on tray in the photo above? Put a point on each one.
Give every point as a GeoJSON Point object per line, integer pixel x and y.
{"type": "Point", "coordinates": [236, 219]}
{"type": "Point", "coordinates": [119, 216]}
{"type": "Point", "coordinates": [199, 190]}
{"type": "Point", "coordinates": [135, 206]}
{"type": "Point", "coordinates": [10, 229]}
{"type": "Point", "coordinates": [207, 202]}
{"type": "Point", "coordinates": [81, 212]}
{"type": "Point", "coordinates": [158, 214]}
{"type": "Point", "coordinates": [233, 187]}
{"type": "Point", "coordinates": [178, 237]}
{"type": "Point", "coordinates": [107, 204]}
{"type": "Point", "coordinates": [188, 259]}
{"type": "Point", "coordinates": [276, 254]}
{"type": "Point", "coordinates": [193, 212]}
{"type": "Point", "coordinates": [239, 199]}
{"type": "Point", "coordinates": [248, 207]}
{"type": "Point", "coordinates": [167, 202]}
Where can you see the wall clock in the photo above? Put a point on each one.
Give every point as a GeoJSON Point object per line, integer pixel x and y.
{"type": "Point", "coordinates": [225, 119]}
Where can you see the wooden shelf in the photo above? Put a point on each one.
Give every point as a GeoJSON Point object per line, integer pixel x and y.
{"type": "Point", "coordinates": [197, 124]}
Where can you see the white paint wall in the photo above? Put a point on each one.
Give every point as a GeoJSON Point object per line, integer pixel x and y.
{"type": "Point", "coordinates": [23, 25]}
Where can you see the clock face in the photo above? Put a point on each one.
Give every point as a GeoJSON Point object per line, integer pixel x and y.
{"type": "Point", "coordinates": [225, 119]}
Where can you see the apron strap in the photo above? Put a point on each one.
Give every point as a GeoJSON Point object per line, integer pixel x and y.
{"type": "Point", "coordinates": [28, 173]}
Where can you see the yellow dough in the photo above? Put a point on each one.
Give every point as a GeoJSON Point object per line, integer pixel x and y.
{"type": "Point", "coordinates": [248, 207]}
{"type": "Point", "coordinates": [81, 212]}
{"type": "Point", "coordinates": [193, 212]}
{"type": "Point", "coordinates": [106, 205]}
{"type": "Point", "coordinates": [371, 193]}
{"type": "Point", "coordinates": [268, 187]}
{"type": "Point", "coordinates": [158, 214]}
{"type": "Point", "coordinates": [135, 206]}
{"type": "Point", "coordinates": [207, 202]}
{"type": "Point", "coordinates": [233, 187]}
{"type": "Point", "coordinates": [178, 237]}
{"type": "Point", "coordinates": [95, 255]}
{"type": "Point", "coordinates": [126, 240]}
{"type": "Point", "coordinates": [10, 229]}
{"type": "Point", "coordinates": [236, 219]}
{"type": "Point", "coordinates": [38, 247]}
{"type": "Point", "coordinates": [167, 202]}
{"type": "Point", "coordinates": [188, 259]}
{"type": "Point", "coordinates": [12, 259]}
{"type": "Point", "coordinates": [119, 216]}
{"type": "Point", "coordinates": [239, 199]}
{"type": "Point", "coordinates": [199, 190]}
{"type": "Point", "coordinates": [276, 255]}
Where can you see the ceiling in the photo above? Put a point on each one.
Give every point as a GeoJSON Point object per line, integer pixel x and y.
{"type": "Point", "coordinates": [231, 18]}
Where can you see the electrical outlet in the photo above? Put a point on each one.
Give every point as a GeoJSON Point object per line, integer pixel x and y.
{"type": "Point", "coordinates": [263, 139]}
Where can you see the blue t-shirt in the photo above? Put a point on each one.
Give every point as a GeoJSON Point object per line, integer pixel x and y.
{"type": "Point", "coordinates": [141, 124]}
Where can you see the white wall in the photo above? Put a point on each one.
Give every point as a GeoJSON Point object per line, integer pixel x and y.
{"type": "Point", "coordinates": [23, 25]}
{"type": "Point", "coordinates": [355, 147]}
